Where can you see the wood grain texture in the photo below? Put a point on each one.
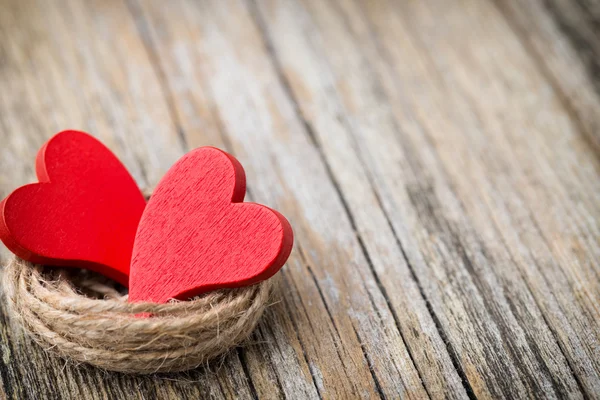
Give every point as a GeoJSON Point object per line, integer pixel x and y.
{"type": "Point", "coordinates": [562, 37]}
{"type": "Point", "coordinates": [438, 161]}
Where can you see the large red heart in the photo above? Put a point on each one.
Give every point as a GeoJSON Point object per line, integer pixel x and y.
{"type": "Point", "coordinates": [197, 235]}
{"type": "Point", "coordinates": [83, 213]}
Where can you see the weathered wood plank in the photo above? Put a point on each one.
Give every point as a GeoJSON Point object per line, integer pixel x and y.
{"type": "Point", "coordinates": [70, 64]}
{"type": "Point", "coordinates": [438, 161]}
{"type": "Point", "coordinates": [313, 84]}
{"type": "Point", "coordinates": [534, 182]}
{"type": "Point", "coordinates": [522, 123]}
{"type": "Point", "coordinates": [563, 38]}
{"type": "Point", "coordinates": [534, 351]}
{"type": "Point", "coordinates": [224, 58]}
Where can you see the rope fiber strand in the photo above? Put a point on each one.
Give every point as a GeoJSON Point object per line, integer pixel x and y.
{"type": "Point", "coordinates": [83, 316]}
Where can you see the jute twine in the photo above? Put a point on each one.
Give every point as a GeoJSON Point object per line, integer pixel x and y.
{"type": "Point", "coordinates": [83, 317]}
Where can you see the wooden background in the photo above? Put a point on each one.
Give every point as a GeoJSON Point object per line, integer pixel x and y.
{"type": "Point", "coordinates": [438, 159]}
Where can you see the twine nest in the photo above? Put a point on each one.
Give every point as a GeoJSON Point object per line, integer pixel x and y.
{"type": "Point", "coordinates": [84, 317]}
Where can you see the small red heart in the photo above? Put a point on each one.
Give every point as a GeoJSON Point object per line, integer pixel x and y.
{"type": "Point", "coordinates": [197, 235]}
{"type": "Point", "coordinates": [83, 213]}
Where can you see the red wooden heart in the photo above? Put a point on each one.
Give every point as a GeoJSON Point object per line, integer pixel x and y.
{"type": "Point", "coordinates": [197, 235]}
{"type": "Point", "coordinates": [83, 213]}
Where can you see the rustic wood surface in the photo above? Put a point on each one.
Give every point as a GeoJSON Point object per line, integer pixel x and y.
{"type": "Point", "coordinates": [439, 161]}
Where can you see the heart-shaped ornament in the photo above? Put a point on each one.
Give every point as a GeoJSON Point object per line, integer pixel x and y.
{"type": "Point", "coordinates": [197, 234]}
{"type": "Point", "coordinates": [84, 212]}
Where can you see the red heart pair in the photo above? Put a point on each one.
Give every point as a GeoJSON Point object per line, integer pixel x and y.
{"type": "Point", "coordinates": [194, 235]}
